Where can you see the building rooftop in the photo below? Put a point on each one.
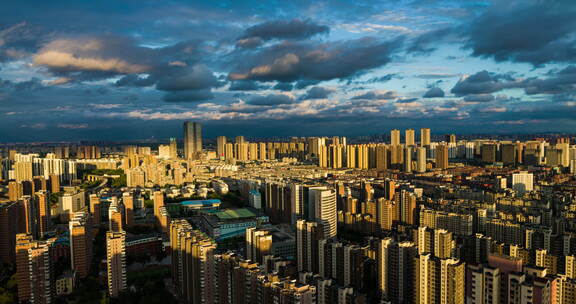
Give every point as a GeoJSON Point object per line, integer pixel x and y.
{"type": "Point", "coordinates": [229, 214]}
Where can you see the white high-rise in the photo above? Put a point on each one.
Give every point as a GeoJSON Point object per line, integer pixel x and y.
{"type": "Point", "coordinates": [325, 213]}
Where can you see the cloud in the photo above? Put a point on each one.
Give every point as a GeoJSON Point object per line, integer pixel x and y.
{"type": "Point", "coordinates": [272, 99]}
{"type": "Point", "coordinates": [72, 126]}
{"type": "Point", "coordinates": [282, 29]}
{"type": "Point", "coordinates": [483, 82]}
{"type": "Point", "coordinates": [318, 93]}
{"type": "Point", "coordinates": [436, 76]}
{"type": "Point", "coordinates": [244, 85]}
{"type": "Point", "coordinates": [188, 95]}
{"type": "Point", "coordinates": [295, 61]}
{"type": "Point", "coordinates": [135, 80]}
{"type": "Point", "coordinates": [434, 92]}
{"type": "Point", "coordinates": [197, 77]}
{"type": "Point", "coordinates": [537, 34]}
{"type": "Point", "coordinates": [563, 81]}
{"type": "Point", "coordinates": [250, 42]}
{"type": "Point", "coordinates": [283, 86]}
{"type": "Point", "coordinates": [18, 41]}
{"type": "Point", "coordinates": [108, 54]}
{"type": "Point", "coordinates": [479, 98]}
{"type": "Point", "coordinates": [375, 95]}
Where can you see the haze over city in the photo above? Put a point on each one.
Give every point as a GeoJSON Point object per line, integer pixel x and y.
{"type": "Point", "coordinates": [76, 70]}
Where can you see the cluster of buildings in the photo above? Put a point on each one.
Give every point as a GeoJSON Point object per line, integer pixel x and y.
{"type": "Point", "coordinates": [323, 219]}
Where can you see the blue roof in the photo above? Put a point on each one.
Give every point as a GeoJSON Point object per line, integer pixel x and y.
{"type": "Point", "coordinates": [255, 192]}
{"type": "Point", "coordinates": [208, 202]}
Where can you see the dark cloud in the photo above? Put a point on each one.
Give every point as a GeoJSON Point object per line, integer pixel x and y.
{"type": "Point", "coordinates": [198, 77]}
{"type": "Point", "coordinates": [283, 86]}
{"type": "Point", "coordinates": [434, 92]}
{"type": "Point", "coordinates": [244, 85]}
{"type": "Point", "coordinates": [483, 82]}
{"type": "Point", "coordinates": [429, 41]}
{"type": "Point", "coordinates": [282, 29]}
{"type": "Point", "coordinates": [560, 82]}
{"type": "Point", "coordinates": [273, 99]}
{"type": "Point", "coordinates": [406, 100]}
{"type": "Point", "coordinates": [20, 40]}
{"type": "Point", "coordinates": [294, 61]}
{"type": "Point", "coordinates": [373, 95]}
{"type": "Point", "coordinates": [436, 76]}
{"type": "Point", "coordinates": [479, 98]}
{"type": "Point", "coordinates": [317, 93]}
{"type": "Point", "coordinates": [526, 32]}
{"type": "Point", "coordinates": [188, 95]}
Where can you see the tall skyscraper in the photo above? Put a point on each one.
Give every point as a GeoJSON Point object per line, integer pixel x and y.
{"type": "Point", "coordinates": [409, 137]}
{"type": "Point", "coordinates": [395, 137]}
{"type": "Point", "coordinates": [115, 217]}
{"type": "Point", "coordinates": [173, 148]}
{"type": "Point", "coordinates": [116, 262]}
{"type": "Point", "coordinates": [221, 146]}
{"type": "Point", "coordinates": [192, 139]}
{"type": "Point", "coordinates": [425, 137]}
{"type": "Point", "coordinates": [81, 243]}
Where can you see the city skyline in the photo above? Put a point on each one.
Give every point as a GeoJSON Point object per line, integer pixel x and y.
{"type": "Point", "coordinates": [140, 69]}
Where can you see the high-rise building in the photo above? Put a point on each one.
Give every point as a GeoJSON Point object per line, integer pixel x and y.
{"type": "Point", "coordinates": [439, 280]}
{"type": "Point", "coordinates": [158, 199]}
{"type": "Point", "coordinates": [81, 243]}
{"type": "Point", "coordinates": [395, 266]}
{"type": "Point", "coordinates": [523, 182]}
{"type": "Point", "coordinates": [191, 251]}
{"type": "Point", "coordinates": [54, 183]}
{"type": "Point", "coordinates": [425, 137]}
{"type": "Point", "coordinates": [508, 152]}
{"type": "Point", "coordinates": [395, 137]}
{"type": "Point", "coordinates": [115, 217]}
{"type": "Point", "coordinates": [307, 236]}
{"type": "Point", "coordinates": [44, 218]}
{"type": "Point", "coordinates": [128, 202]}
{"type": "Point", "coordinates": [95, 209]}
{"type": "Point", "coordinates": [192, 139]}
{"type": "Point", "coordinates": [221, 146]}
{"type": "Point", "coordinates": [258, 244]}
{"type": "Point", "coordinates": [421, 159]}
{"type": "Point", "coordinates": [9, 227]}
{"type": "Point", "coordinates": [451, 138]}
{"type": "Point", "coordinates": [116, 262]}
{"type": "Point", "coordinates": [173, 148]}
{"type": "Point", "coordinates": [442, 156]}
{"type": "Point", "coordinates": [34, 270]}
{"type": "Point", "coordinates": [409, 137]}
{"type": "Point", "coordinates": [489, 152]}
{"type": "Point", "coordinates": [408, 159]}
{"type": "Point", "coordinates": [325, 209]}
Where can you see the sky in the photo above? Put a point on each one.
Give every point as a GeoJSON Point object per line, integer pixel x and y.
{"type": "Point", "coordinates": [136, 69]}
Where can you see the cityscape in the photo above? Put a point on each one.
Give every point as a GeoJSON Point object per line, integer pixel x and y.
{"type": "Point", "coordinates": [288, 152]}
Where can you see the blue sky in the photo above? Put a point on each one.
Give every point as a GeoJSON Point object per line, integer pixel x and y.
{"type": "Point", "coordinates": [119, 70]}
